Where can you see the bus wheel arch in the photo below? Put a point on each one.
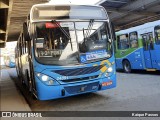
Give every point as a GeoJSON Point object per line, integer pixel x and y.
{"type": "Point", "coordinates": [126, 66]}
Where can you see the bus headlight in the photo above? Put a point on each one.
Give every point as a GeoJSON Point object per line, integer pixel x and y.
{"type": "Point", "coordinates": [110, 69]}
{"type": "Point", "coordinates": [46, 79]}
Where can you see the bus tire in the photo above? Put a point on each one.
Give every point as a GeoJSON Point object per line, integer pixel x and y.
{"type": "Point", "coordinates": [126, 66]}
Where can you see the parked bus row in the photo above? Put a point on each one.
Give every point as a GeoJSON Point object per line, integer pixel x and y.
{"type": "Point", "coordinates": [138, 47]}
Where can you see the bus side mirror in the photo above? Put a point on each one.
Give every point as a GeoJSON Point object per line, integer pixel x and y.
{"type": "Point", "coordinates": [25, 32]}
{"type": "Point", "coordinates": [113, 31]}
{"type": "Point", "coordinates": [117, 37]}
{"type": "Point", "coordinates": [127, 35]}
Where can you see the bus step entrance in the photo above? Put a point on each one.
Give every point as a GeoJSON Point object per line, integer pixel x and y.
{"type": "Point", "coordinates": [150, 69]}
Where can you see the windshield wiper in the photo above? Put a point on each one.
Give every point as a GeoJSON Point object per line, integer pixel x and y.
{"type": "Point", "coordinates": [64, 32]}
{"type": "Point", "coordinates": [89, 28]}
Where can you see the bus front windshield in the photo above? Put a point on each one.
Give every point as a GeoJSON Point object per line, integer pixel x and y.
{"type": "Point", "coordinates": [64, 43]}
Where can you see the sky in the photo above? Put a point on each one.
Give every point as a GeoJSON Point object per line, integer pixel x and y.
{"type": "Point", "coordinates": [91, 2]}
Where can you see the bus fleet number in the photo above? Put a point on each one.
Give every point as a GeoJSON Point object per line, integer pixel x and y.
{"type": "Point", "coordinates": [62, 78]}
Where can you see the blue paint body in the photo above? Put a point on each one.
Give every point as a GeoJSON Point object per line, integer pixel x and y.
{"type": "Point", "coordinates": [140, 59]}
{"type": "Point", "coordinates": [45, 92]}
{"type": "Point", "coordinates": [147, 53]}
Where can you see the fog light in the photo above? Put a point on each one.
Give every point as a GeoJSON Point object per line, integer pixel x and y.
{"type": "Point", "coordinates": [106, 74]}
{"type": "Point", "coordinates": [50, 82]}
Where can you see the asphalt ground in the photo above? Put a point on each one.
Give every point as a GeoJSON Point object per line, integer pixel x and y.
{"type": "Point", "coordinates": [137, 91]}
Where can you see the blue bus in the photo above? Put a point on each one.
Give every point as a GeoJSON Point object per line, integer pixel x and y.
{"type": "Point", "coordinates": [139, 47]}
{"type": "Point", "coordinates": [66, 50]}
{"type": "Point", "coordinates": [9, 61]}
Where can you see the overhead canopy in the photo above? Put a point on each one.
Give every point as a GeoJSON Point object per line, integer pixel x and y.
{"type": "Point", "coordinates": [12, 15]}
{"type": "Point", "coordinates": [128, 13]}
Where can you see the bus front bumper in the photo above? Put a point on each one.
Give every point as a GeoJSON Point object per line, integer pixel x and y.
{"type": "Point", "coordinates": [45, 92]}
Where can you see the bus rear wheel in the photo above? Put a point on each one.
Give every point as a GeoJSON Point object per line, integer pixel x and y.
{"type": "Point", "coordinates": [126, 66]}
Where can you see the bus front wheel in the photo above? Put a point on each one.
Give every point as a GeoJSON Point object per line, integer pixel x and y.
{"type": "Point", "coordinates": [126, 66]}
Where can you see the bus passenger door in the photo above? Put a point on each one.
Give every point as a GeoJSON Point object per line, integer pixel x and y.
{"type": "Point", "coordinates": [149, 52]}
{"type": "Point", "coordinates": [157, 46]}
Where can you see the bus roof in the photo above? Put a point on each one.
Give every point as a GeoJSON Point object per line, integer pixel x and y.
{"type": "Point", "coordinates": [140, 27]}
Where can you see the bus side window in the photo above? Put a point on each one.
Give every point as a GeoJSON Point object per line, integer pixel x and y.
{"type": "Point", "coordinates": [151, 41]}
{"type": "Point", "coordinates": [22, 44]}
{"type": "Point", "coordinates": [145, 41]}
{"type": "Point", "coordinates": [133, 38]}
{"type": "Point", "coordinates": [118, 42]}
{"type": "Point", "coordinates": [157, 34]}
{"type": "Point", "coordinates": [21, 49]}
{"type": "Point", "coordinates": [122, 41]}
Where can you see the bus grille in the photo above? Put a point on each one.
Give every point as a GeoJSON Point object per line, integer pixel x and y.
{"type": "Point", "coordinates": [80, 79]}
{"type": "Point", "coordinates": [82, 88]}
{"type": "Point", "coordinates": [78, 71]}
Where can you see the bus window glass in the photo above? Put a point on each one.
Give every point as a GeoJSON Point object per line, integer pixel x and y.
{"type": "Point", "coordinates": [21, 47]}
{"type": "Point", "coordinates": [65, 42]}
{"type": "Point", "coordinates": [145, 39]}
{"type": "Point", "coordinates": [123, 42]}
{"type": "Point", "coordinates": [133, 39]}
{"type": "Point", "coordinates": [151, 42]}
{"type": "Point", "coordinates": [157, 34]}
{"type": "Point", "coordinates": [93, 40]}
{"type": "Point", "coordinates": [53, 44]}
{"type": "Point", "coordinates": [148, 42]}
